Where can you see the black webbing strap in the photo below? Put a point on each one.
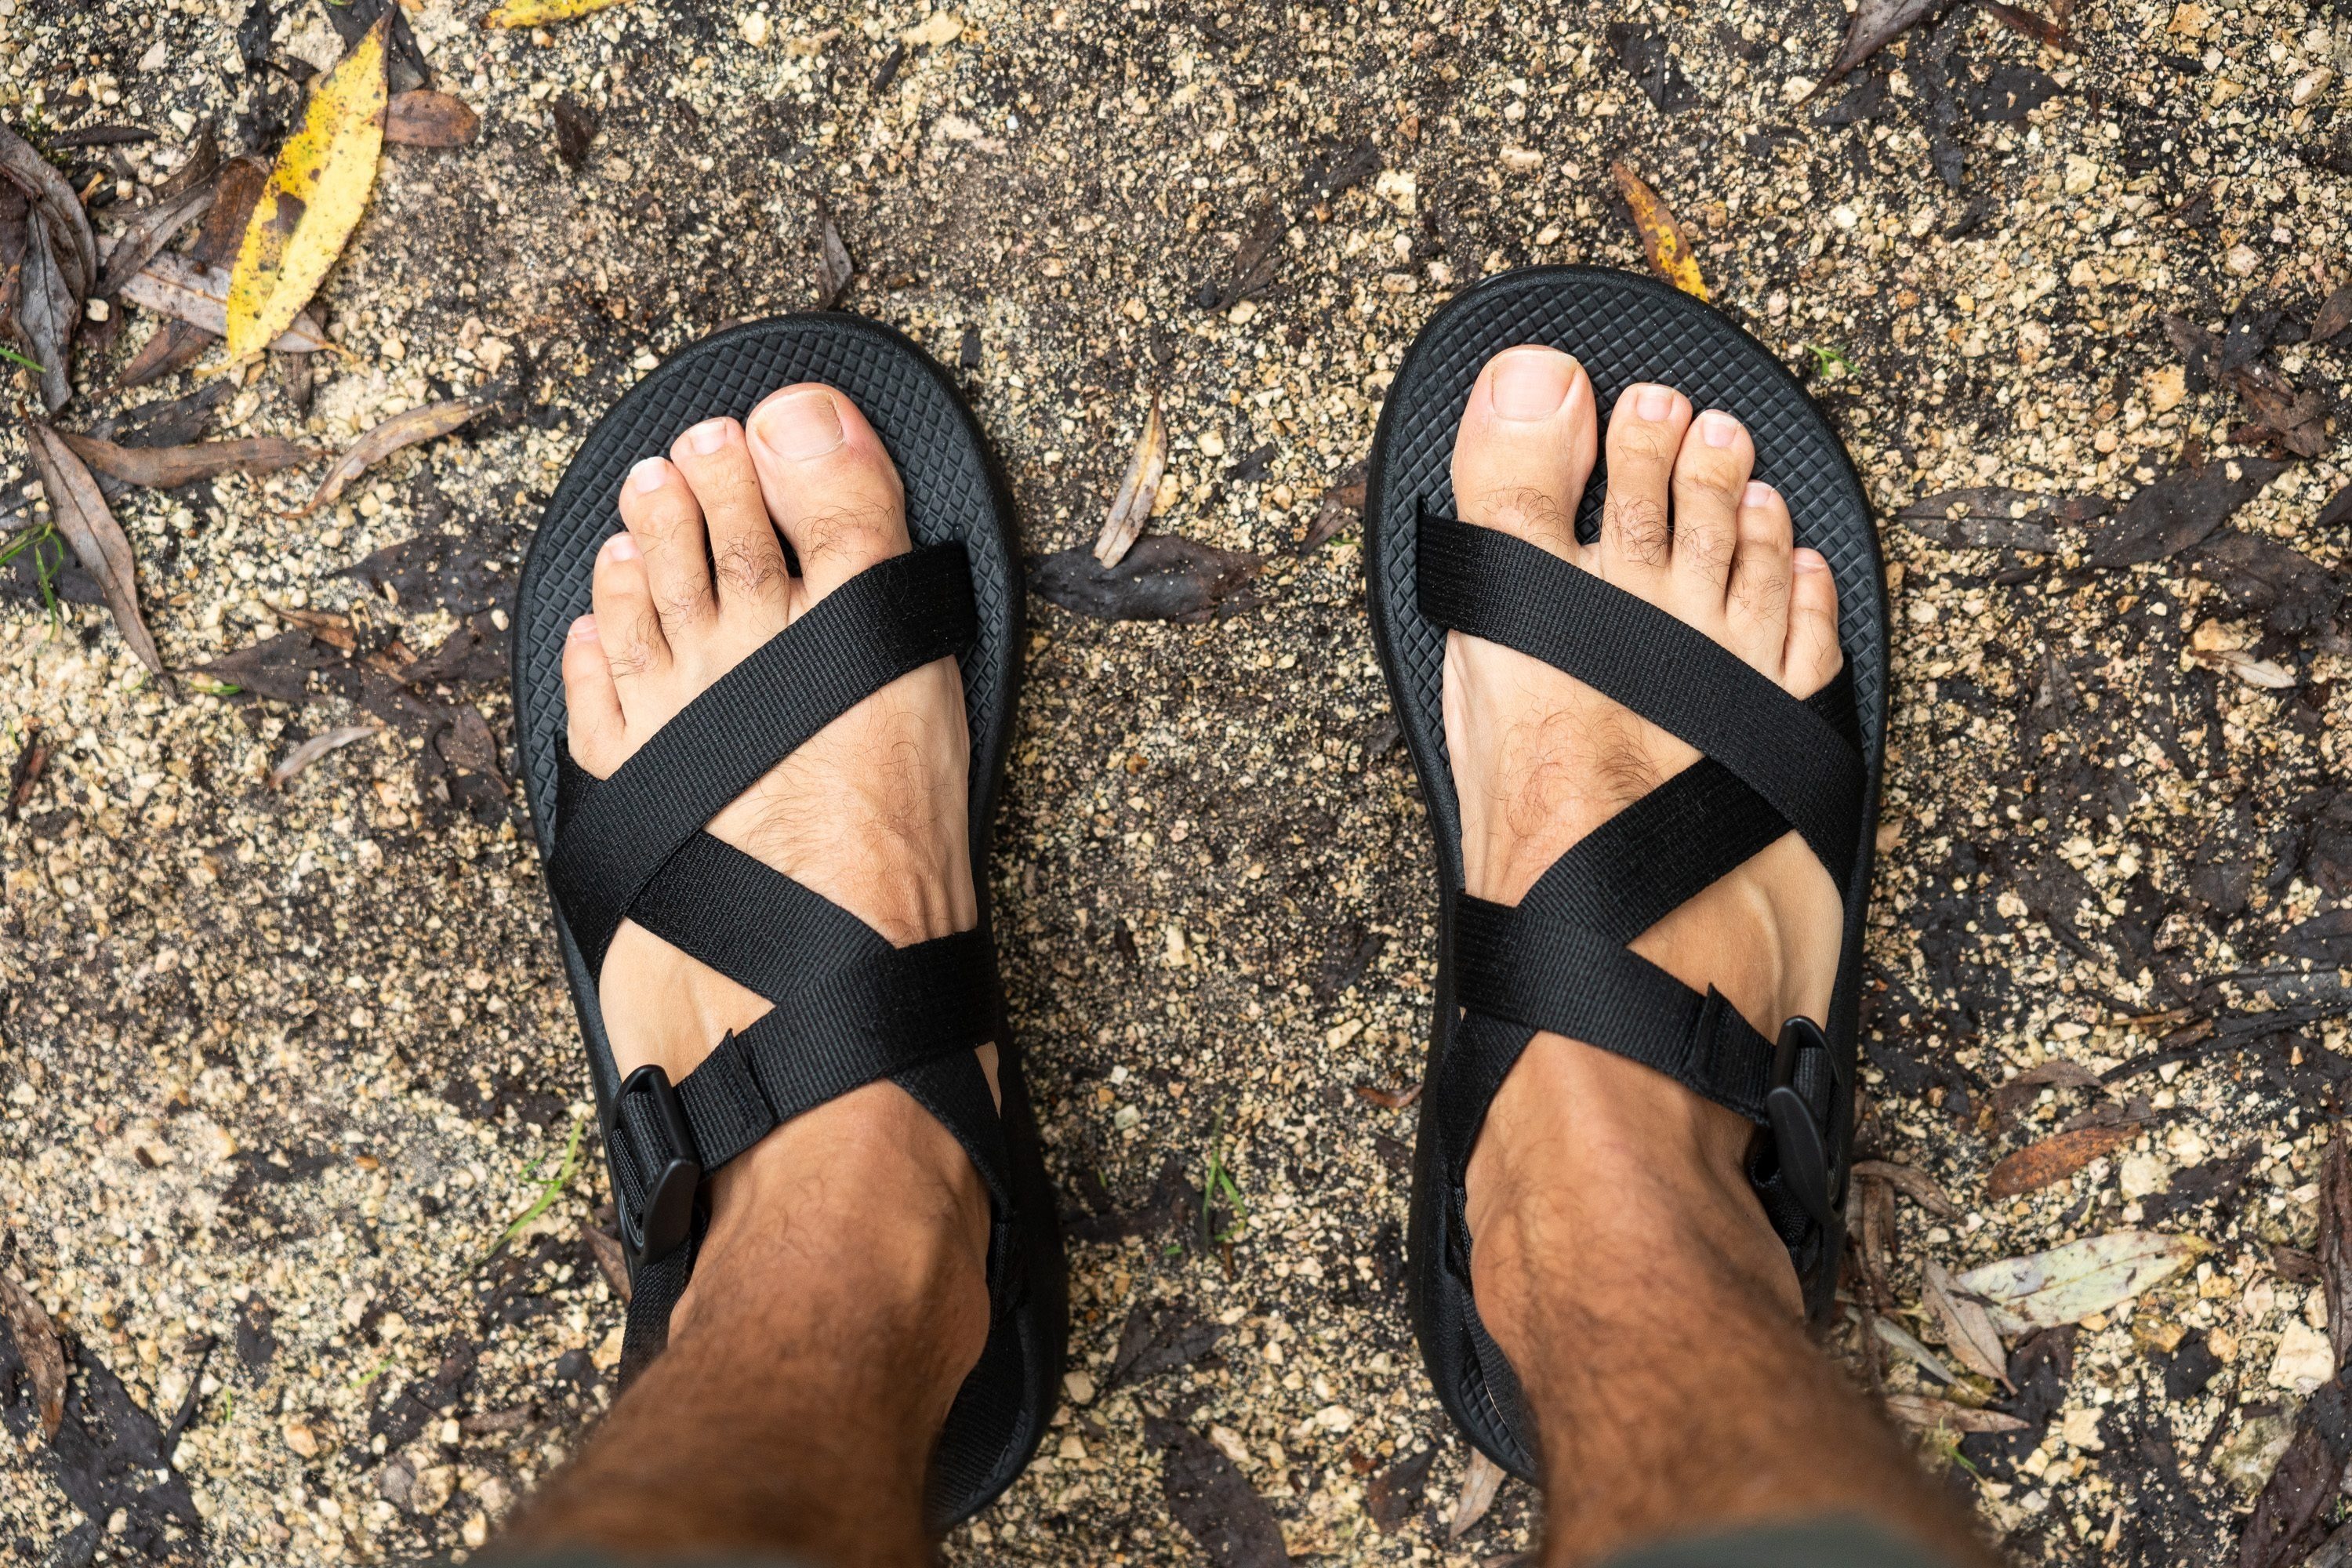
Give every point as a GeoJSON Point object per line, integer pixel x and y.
{"type": "Point", "coordinates": [892, 617]}
{"type": "Point", "coordinates": [1487, 584]}
{"type": "Point", "coordinates": [1661, 851]}
{"type": "Point", "coordinates": [1543, 975]}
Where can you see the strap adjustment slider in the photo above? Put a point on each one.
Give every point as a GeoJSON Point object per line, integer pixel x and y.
{"type": "Point", "coordinates": [1797, 1138]}
{"type": "Point", "coordinates": [647, 1111]}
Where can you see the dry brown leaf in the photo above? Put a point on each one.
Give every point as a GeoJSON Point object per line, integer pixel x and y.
{"type": "Point", "coordinates": [234, 193]}
{"type": "Point", "coordinates": [2053, 1158]}
{"type": "Point", "coordinates": [2336, 1241]}
{"type": "Point", "coordinates": [187, 291]}
{"type": "Point", "coordinates": [1915, 1184]}
{"type": "Point", "coordinates": [1934, 1415]}
{"type": "Point", "coordinates": [166, 468]}
{"type": "Point", "coordinates": [610, 1261]}
{"type": "Point", "coordinates": [401, 430]}
{"type": "Point", "coordinates": [1661, 236]}
{"type": "Point", "coordinates": [1480, 1484]}
{"type": "Point", "coordinates": [314, 198]}
{"type": "Point", "coordinates": [37, 1346]}
{"type": "Point", "coordinates": [79, 511]}
{"type": "Point", "coordinates": [1131, 509]}
{"type": "Point", "coordinates": [2334, 315]}
{"type": "Point", "coordinates": [538, 13]}
{"type": "Point", "coordinates": [834, 268]}
{"type": "Point", "coordinates": [149, 231]}
{"type": "Point", "coordinates": [174, 347]}
{"type": "Point", "coordinates": [2040, 29]}
{"type": "Point", "coordinates": [317, 746]}
{"type": "Point", "coordinates": [427, 119]}
{"type": "Point", "coordinates": [1342, 504]}
{"type": "Point", "coordinates": [1969, 1332]}
{"type": "Point", "coordinates": [59, 208]}
{"type": "Point", "coordinates": [1876, 23]}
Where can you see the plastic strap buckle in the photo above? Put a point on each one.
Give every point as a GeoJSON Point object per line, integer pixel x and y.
{"type": "Point", "coordinates": [1797, 1138]}
{"type": "Point", "coordinates": [647, 1110]}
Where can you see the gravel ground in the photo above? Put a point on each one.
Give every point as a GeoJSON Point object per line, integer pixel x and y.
{"type": "Point", "coordinates": [288, 1072]}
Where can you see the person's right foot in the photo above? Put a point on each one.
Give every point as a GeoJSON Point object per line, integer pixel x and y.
{"type": "Point", "coordinates": [1541, 760]}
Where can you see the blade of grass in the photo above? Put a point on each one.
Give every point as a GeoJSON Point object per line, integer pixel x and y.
{"type": "Point", "coordinates": [550, 1189]}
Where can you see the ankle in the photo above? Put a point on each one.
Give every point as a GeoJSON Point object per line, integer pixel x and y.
{"type": "Point", "coordinates": [864, 1215]}
{"type": "Point", "coordinates": [1599, 1179]}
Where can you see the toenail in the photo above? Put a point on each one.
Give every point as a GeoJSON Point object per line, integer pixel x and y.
{"type": "Point", "coordinates": [648, 474]}
{"type": "Point", "coordinates": [708, 436]}
{"type": "Point", "coordinates": [1809, 560]}
{"type": "Point", "coordinates": [1717, 429]}
{"type": "Point", "coordinates": [1531, 385]}
{"type": "Point", "coordinates": [798, 427]}
{"type": "Point", "coordinates": [621, 547]}
{"type": "Point", "coordinates": [1758, 493]}
{"type": "Point", "coordinates": [1655, 404]}
{"type": "Point", "coordinates": [584, 629]}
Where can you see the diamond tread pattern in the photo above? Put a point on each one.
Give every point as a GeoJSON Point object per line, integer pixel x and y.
{"type": "Point", "coordinates": [1623, 328]}
{"type": "Point", "coordinates": [955, 493]}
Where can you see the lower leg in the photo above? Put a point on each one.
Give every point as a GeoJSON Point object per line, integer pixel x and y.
{"type": "Point", "coordinates": [841, 1295]}
{"type": "Point", "coordinates": [1622, 1264]}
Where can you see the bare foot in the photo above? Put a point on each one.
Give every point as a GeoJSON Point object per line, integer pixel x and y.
{"type": "Point", "coordinates": [1540, 759]}
{"type": "Point", "coordinates": [871, 813]}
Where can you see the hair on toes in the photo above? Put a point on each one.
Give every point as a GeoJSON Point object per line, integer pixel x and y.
{"type": "Point", "coordinates": [1638, 523]}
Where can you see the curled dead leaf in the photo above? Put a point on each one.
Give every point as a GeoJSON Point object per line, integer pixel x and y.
{"type": "Point", "coordinates": [317, 746]}
{"type": "Point", "coordinates": [1164, 578]}
{"type": "Point", "coordinates": [59, 209]}
{"type": "Point", "coordinates": [150, 230]}
{"type": "Point", "coordinates": [1662, 235]}
{"type": "Point", "coordinates": [1131, 509]}
{"type": "Point", "coordinates": [1915, 1184]}
{"type": "Point", "coordinates": [2068, 1283]}
{"type": "Point", "coordinates": [187, 291]}
{"type": "Point", "coordinates": [1876, 23]}
{"type": "Point", "coordinates": [423, 118]}
{"type": "Point", "coordinates": [1480, 1482]}
{"type": "Point", "coordinates": [2053, 1158]}
{"type": "Point", "coordinates": [37, 1346]}
{"type": "Point", "coordinates": [80, 513]}
{"type": "Point", "coordinates": [314, 198]}
{"type": "Point", "coordinates": [167, 468]}
{"type": "Point", "coordinates": [1943, 1415]}
{"type": "Point", "coordinates": [401, 430]}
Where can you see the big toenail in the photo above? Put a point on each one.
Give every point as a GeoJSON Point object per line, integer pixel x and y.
{"type": "Point", "coordinates": [1655, 404]}
{"type": "Point", "coordinates": [1717, 429]}
{"type": "Point", "coordinates": [648, 474]}
{"type": "Point", "coordinates": [1531, 385]}
{"type": "Point", "coordinates": [708, 436]}
{"type": "Point", "coordinates": [799, 427]}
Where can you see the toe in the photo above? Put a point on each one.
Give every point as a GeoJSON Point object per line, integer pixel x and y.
{"type": "Point", "coordinates": [1645, 432]}
{"type": "Point", "coordinates": [1525, 447]}
{"type": "Point", "coordinates": [592, 707]}
{"type": "Point", "coordinates": [748, 560]}
{"type": "Point", "coordinates": [1755, 604]}
{"type": "Point", "coordinates": [830, 485]}
{"type": "Point", "coordinates": [626, 623]}
{"type": "Point", "coordinates": [1813, 656]}
{"type": "Point", "coordinates": [663, 518]}
{"type": "Point", "coordinates": [1710, 473]}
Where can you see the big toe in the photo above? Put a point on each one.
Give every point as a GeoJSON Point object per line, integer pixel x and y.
{"type": "Point", "coordinates": [829, 484]}
{"type": "Point", "coordinates": [1525, 447]}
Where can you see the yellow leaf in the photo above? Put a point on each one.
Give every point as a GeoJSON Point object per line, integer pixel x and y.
{"type": "Point", "coordinates": [1661, 237]}
{"type": "Point", "coordinates": [532, 12]}
{"type": "Point", "coordinates": [313, 199]}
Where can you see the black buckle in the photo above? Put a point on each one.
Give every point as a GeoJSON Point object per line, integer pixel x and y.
{"type": "Point", "coordinates": [663, 1222]}
{"type": "Point", "coordinates": [1797, 1139]}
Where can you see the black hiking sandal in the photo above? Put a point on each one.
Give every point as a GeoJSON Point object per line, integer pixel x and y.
{"type": "Point", "coordinates": [849, 1008]}
{"type": "Point", "coordinates": [1558, 960]}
